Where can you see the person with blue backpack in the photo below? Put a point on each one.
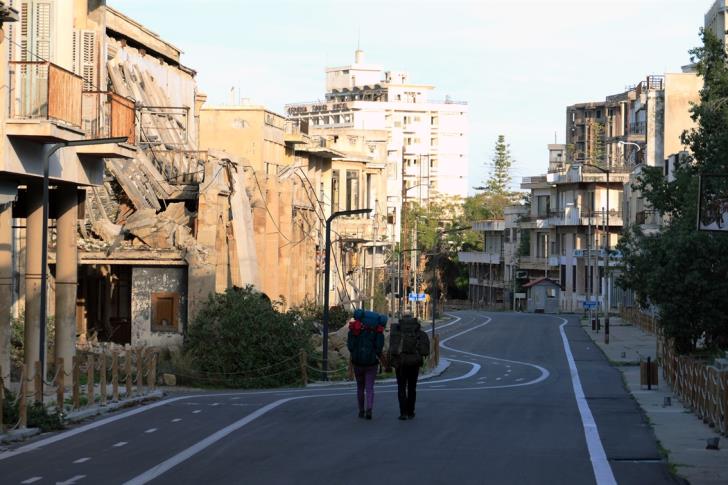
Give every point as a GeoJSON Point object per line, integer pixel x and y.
{"type": "Point", "coordinates": [365, 342]}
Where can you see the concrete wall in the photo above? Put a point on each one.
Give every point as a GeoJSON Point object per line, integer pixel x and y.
{"type": "Point", "coordinates": [680, 90]}
{"type": "Point", "coordinates": [148, 280]}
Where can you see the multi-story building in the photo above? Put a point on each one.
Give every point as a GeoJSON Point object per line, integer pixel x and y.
{"type": "Point", "coordinates": [427, 140]}
{"type": "Point", "coordinates": [715, 20]}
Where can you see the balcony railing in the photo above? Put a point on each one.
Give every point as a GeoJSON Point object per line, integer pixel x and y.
{"type": "Point", "coordinates": [638, 128]}
{"type": "Point", "coordinates": [181, 167]}
{"type": "Point", "coordinates": [648, 217]}
{"type": "Point", "coordinates": [296, 127]}
{"type": "Point", "coordinates": [43, 91]}
{"type": "Point", "coordinates": [108, 115]}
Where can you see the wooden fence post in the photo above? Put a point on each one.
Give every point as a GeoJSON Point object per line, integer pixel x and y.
{"type": "Point", "coordinates": [115, 375]}
{"type": "Point", "coordinates": [152, 370]}
{"type": "Point", "coordinates": [22, 406]}
{"type": "Point", "coordinates": [140, 370]}
{"type": "Point", "coordinates": [102, 379]}
{"type": "Point", "coordinates": [2, 396]}
{"type": "Point", "coordinates": [127, 367]}
{"type": "Point", "coordinates": [76, 376]}
{"type": "Point", "coordinates": [304, 369]}
{"type": "Point", "coordinates": [90, 379]}
{"type": "Point", "coordinates": [38, 382]}
{"type": "Point", "coordinates": [60, 385]}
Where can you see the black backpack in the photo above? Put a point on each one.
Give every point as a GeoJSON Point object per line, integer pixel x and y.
{"type": "Point", "coordinates": [407, 343]}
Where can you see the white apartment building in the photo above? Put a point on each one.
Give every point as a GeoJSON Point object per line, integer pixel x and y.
{"type": "Point", "coordinates": [427, 140]}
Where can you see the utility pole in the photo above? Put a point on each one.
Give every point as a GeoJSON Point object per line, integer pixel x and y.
{"type": "Point", "coordinates": [403, 236]}
{"type": "Point", "coordinates": [374, 262]}
{"type": "Point", "coordinates": [589, 265]}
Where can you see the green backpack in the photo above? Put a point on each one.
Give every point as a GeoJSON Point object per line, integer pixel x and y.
{"type": "Point", "coordinates": [408, 344]}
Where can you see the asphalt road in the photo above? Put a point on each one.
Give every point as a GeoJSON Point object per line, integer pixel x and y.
{"type": "Point", "coordinates": [509, 410]}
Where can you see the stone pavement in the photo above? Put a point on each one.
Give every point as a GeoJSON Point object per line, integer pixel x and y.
{"type": "Point", "coordinates": [680, 433]}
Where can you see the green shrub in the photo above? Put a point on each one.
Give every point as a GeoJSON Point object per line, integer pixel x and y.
{"type": "Point", "coordinates": [240, 339]}
{"type": "Point", "coordinates": [38, 415]}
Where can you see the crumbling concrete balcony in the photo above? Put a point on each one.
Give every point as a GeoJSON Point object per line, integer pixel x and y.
{"type": "Point", "coordinates": [48, 105]}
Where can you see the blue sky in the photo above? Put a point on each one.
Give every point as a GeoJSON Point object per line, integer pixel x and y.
{"type": "Point", "coordinates": [518, 63]}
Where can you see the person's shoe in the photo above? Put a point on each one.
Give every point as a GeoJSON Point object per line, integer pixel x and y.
{"type": "Point", "coordinates": [361, 414]}
{"type": "Point", "coordinates": [402, 417]}
{"type": "Point", "coordinates": [411, 416]}
{"type": "Point", "coordinates": [369, 414]}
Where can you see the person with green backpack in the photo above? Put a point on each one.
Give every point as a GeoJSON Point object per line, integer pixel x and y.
{"type": "Point", "coordinates": [365, 342]}
{"type": "Point", "coordinates": [408, 346]}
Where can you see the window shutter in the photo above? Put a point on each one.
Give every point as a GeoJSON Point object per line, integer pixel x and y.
{"type": "Point", "coordinates": [75, 60]}
{"type": "Point", "coordinates": [24, 23]}
{"type": "Point", "coordinates": [88, 59]}
{"type": "Point", "coordinates": [42, 30]}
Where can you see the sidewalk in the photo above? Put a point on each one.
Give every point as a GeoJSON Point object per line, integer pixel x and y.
{"type": "Point", "coordinates": [682, 435]}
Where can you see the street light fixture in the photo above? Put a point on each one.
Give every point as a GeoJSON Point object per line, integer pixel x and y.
{"type": "Point", "coordinates": [327, 270]}
{"type": "Point", "coordinates": [435, 264]}
{"type": "Point", "coordinates": [49, 150]}
{"type": "Point", "coordinates": [622, 143]}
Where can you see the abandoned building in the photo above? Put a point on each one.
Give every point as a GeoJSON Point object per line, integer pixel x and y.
{"type": "Point", "coordinates": [186, 200]}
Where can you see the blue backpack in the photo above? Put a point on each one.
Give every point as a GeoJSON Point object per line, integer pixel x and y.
{"type": "Point", "coordinates": [365, 340]}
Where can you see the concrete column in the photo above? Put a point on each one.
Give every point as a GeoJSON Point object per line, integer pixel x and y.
{"type": "Point", "coordinates": [271, 276]}
{"type": "Point", "coordinates": [6, 287]}
{"type": "Point", "coordinates": [34, 234]}
{"type": "Point", "coordinates": [66, 275]}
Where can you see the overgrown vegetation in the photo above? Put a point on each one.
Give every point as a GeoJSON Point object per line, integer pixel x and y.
{"type": "Point", "coordinates": [38, 414]}
{"type": "Point", "coordinates": [241, 339]}
{"type": "Point", "coordinates": [681, 270]}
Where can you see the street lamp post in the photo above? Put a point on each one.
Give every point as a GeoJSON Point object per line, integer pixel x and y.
{"type": "Point", "coordinates": [435, 264]}
{"type": "Point", "coordinates": [48, 152]}
{"type": "Point", "coordinates": [605, 244]}
{"type": "Point", "coordinates": [327, 270]}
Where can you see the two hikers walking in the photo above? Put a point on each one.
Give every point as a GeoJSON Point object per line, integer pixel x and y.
{"type": "Point", "coordinates": [408, 346]}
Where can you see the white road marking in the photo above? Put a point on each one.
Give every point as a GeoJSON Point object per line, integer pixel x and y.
{"type": "Point", "coordinates": [151, 430]}
{"type": "Point", "coordinates": [176, 420]}
{"type": "Point", "coordinates": [234, 398]}
{"type": "Point", "coordinates": [82, 460]}
{"type": "Point", "coordinates": [498, 378]}
{"type": "Point", "coordinates": [197, 411]}
{"type": "Point", "coordinates": [519, 379]}
{"type": "Point", "coordinates": [600, 464]}
{"type": "Point", "coordinates": [72, 480]}
{"type": "Point", "coordinates": [215, 404]}
{"type": "Point", "coordinates": [32, 480]}
{"type": "Point", "coordinates": [120, 444]}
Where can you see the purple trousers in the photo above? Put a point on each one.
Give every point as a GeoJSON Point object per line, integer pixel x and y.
{"type": "Point", "coordinates": [365, 376]}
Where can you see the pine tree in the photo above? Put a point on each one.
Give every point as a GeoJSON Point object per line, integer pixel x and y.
{"type": "Point", "coordinates": [500, 169]}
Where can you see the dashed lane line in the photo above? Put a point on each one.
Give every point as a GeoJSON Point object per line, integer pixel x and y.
{"type": "Point", "coordinates": [151, 430]}
{"type": "Point", "coordinates": [32, 480]}
{"type": "Point", "coordinates": [82, 460]}
{"type": "Point", "coordinates": [120, 444]}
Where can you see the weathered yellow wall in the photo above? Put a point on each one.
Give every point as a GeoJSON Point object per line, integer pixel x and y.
{"type": "Point", "coordinates": [680, 90]}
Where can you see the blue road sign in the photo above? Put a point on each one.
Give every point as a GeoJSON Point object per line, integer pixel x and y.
{"type": "Point", "coordinates": [591, 305]}
{"type": "Point", "coordinates": [417, 297]}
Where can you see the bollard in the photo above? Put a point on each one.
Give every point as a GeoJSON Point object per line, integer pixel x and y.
{"type": "Point", "coordinates": [436, 339]}
{"type": "Point", "coordinates": [22, 406]}
{"type": "Point", "coordinates": [304, 370]}
{"type": "Point", "coordinates": [102, 379]}
{"type": "Point", "coordinates": [60, 384]}
{"type": "Point", "coordinates": [127, 366]}
{"type": "Point", "coordinates": [90, 380]}
{"type": "Point", "coordinates": [76, 393]}
{"type": "Point", "coordinates": [38, 382]}
{"type": "Point", "coordinates": [115, 375]}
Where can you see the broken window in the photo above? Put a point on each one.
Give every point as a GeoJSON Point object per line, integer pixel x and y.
{"type": "Point", "coordinates": [335, 183]}
{"type": "Point", "coordinates": [352, 190]}
{"type": "Point", "coordinates": [165, 312]}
